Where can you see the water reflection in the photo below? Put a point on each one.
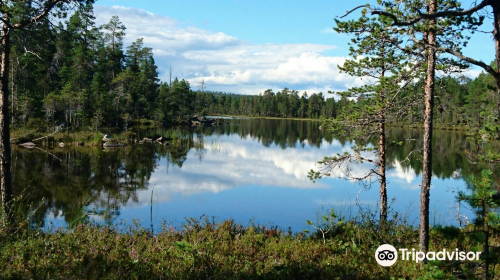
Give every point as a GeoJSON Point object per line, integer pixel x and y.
{"type": "Point", "coordinates": [243, 170]}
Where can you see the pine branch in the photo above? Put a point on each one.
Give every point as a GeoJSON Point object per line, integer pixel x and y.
{"type": "Point", "coordinates": [39, 17]}
{"type": "Point", "coordinates": [422, 16]}
{"type": "Point", "coordinates": [471, 60]}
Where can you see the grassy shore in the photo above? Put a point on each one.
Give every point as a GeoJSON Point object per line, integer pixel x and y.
{"type": "Point", "coordinates": [206, 250]}
{"type": "Point", "coordinates": [87, 138]}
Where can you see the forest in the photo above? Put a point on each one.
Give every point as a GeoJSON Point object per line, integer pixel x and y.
{"type": "Point", "coordinates": [79, 75]}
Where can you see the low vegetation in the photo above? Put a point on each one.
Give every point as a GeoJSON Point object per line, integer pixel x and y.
{"type": "Point", "coordinates": [204, 249]}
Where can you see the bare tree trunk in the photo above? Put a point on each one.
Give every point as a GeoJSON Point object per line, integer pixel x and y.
{"type": "Point", "coordinates": [427, 145]}
{"type": "Point", "coordinates": [383, 185]}
{"type": "Point", "coordinates": [381, 148]}
{"type": "Point", "coordinates": [496, 23]}
{"type": "Point", "coordinates": [67, 124]}
{"type": "Point", "coordinates": [5, 175]}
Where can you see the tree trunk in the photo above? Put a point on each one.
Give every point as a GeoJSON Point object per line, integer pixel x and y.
{"type": "Point", "coordinates": [5, 176]}
{"type": "Point", "coordinates": [12, 92]}
{"type": "Point", "coordinates": [486, 242]}
{"type": "Point", "coordinates": [496, 23]}
{"type": "Point", "coordinates": [427, 145]}
{"type": "Point", "coordinates": [381, 149]}
{"type": "Point", "coordinates": [383, 186]}
{"type": "Point", "coordinates": [67, 124]}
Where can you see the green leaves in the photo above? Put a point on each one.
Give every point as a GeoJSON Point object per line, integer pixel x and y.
{"type": "Point", "coordinates": [481, 197]}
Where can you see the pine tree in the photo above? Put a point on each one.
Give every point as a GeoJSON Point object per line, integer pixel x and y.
{"type": "Point", "coordinates": [482, 201]}
{"type": "Point", "coordinates": [384, 67]}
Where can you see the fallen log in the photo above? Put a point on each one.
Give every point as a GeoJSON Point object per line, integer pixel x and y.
{"type": "Point", "coordinates": [28, 145]}
{"type": "Point", "coordinates": [45, 136]}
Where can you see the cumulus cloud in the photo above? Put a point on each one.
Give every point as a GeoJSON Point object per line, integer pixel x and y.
{"type": "Point", "coordinates": [227, 63]}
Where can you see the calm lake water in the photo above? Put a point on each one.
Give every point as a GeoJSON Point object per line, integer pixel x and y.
{"type": "Point", "coordinates": [249, 169]}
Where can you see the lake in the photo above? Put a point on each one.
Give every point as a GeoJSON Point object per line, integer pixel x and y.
{"type": "Point", "coordinates": [246, 170]}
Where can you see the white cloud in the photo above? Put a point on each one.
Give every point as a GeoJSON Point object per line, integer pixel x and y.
{"type": "Point", "coordinates": [227, 63]}
{"type": "Point", "coordinates": [473, 73]}
{"type": "Point", "coordinates": [400, 172]}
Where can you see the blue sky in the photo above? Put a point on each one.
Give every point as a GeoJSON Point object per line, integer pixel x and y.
{"type": "Point", "coordinates": [257, 21]}
{"type": "Point", "coordinates": [248, 46]}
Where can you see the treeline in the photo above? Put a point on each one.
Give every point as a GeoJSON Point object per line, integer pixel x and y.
{"type": "Point", "coordinates": [467, 101]}
{"type": "Point", "coordinates": [460, 101]}
{"type": "Point", "coordinates": [285, 103]}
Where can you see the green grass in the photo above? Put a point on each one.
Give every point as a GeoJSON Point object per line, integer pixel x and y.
{"type": "Point", "coordinates": [201, 249]}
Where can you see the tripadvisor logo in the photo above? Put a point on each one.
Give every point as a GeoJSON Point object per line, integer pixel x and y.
{"type": "Point", "coordinates": [387, 255]}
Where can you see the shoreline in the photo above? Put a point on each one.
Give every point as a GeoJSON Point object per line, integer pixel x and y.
{"type": "Point", "coordinates": [93, 138]}
{"type": "Point", "coordinates": [225, 250]}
